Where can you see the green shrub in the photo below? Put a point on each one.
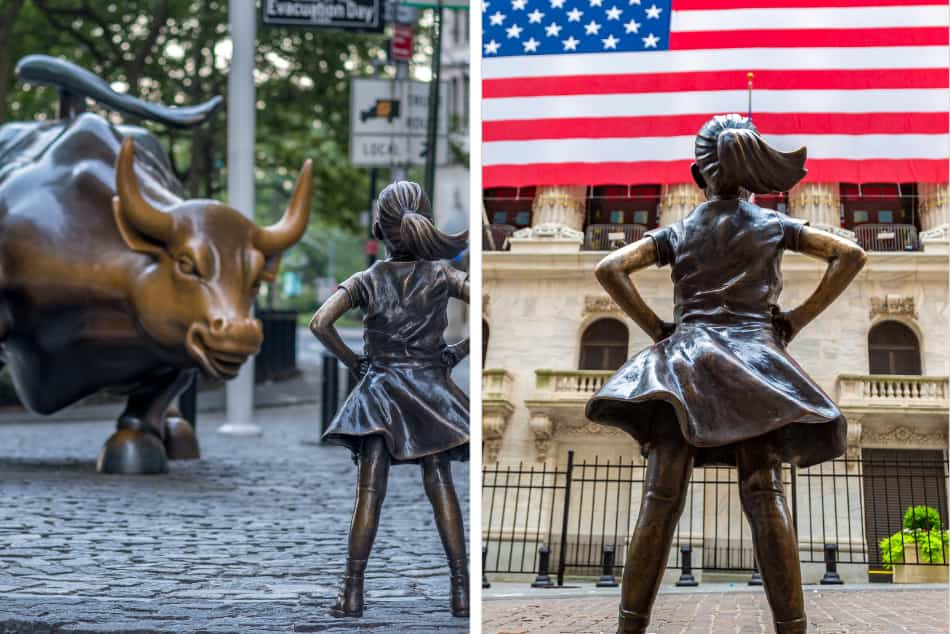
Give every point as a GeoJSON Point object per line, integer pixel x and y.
{"type": "Point", "coordinates": [922, 527]}
{"type": "Point", "coordinates": [921, 518]}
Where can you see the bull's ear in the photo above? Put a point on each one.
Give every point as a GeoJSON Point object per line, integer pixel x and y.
{"type": "Point", "coordinates": [271, 266]}
{"type": "Point", "coordinates": [134, 239]}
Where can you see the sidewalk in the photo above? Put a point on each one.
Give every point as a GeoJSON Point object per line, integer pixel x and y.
{"type": "Point", "coordinates": [714, 608]}
{"type": "Point", "coordinates": [251, 538]}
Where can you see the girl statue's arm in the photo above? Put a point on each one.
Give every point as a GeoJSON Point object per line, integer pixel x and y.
{"type": "Point", "coordinates": [458, 351]}
{"type": "Point", "coordinates": [322, 327]}
{"type": "Point", "coordinates": [845, 259]}
{"type": "Point", "coordinates": [613, 273]}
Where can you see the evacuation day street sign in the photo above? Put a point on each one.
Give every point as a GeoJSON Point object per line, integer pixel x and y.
{"type": "Point", "coordinates": [349, 15]}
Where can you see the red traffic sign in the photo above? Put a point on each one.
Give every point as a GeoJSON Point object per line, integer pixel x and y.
{"type": "Point", "coordinates": [401, 45]}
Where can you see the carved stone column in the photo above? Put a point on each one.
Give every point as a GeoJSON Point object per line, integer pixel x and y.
{"type": "Point", "coordinates": [820, 204]}
{"type": "Point", "coordinates": [934, 211]}
{"type": "Point", "coordinates": [677, 201]}
{"type": "Point", "coordinates": [557, 216]}
{"type": "Point", "coordinates": [493, 428]}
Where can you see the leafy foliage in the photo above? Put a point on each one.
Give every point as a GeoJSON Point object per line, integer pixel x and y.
{"type": "Point", "coordinates": [923, 528]}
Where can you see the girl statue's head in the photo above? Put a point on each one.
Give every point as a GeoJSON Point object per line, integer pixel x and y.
{"type": "Point", "coordinates": [404, 221]}
{"type": "Point", "coordinates": [732, 157]}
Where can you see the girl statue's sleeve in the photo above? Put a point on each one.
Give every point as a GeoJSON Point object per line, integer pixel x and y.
{"type": "Point", "coordinates": [356, 287]}
{"type": "Point", "coordinates": [792, 232]}
{"type": "Point", "coordinates": [456, 279]}
{"type": "Point", "coordinates": [663, 239]}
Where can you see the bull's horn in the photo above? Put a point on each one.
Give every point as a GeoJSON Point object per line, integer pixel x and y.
{"type": "Point", "coordinates": [148, 220]}
{"type": "Point", "coordinates": [281, 236]}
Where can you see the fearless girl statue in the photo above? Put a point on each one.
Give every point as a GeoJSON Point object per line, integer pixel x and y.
{"type": "Point", "coordinates": [719, 386]}
{"type": "Point", "coordinates": [405, 409]}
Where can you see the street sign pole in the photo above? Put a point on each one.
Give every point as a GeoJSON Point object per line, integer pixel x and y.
{"type": "Point", "coordinates": [239, 392]}
{"type": "Point", "coordinates": [433, 120]}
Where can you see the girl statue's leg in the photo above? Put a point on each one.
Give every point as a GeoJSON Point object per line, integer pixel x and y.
{"type": "Point", "coordinates": [437, 477]}
{"type": "Point", "coordinates": [776, 545]}
{"type": "Point", "coordinates": [370, 493]}
{"type": "Point", "coordinates": [669, 464]}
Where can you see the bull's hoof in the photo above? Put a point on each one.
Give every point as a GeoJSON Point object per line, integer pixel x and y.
{"type": "Point", "coordinates": [131, 452]}
{"type": "Point", "coordinates": [181, 443]}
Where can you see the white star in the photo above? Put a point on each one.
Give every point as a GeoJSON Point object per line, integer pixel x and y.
{"type": "Point", "coordinates": [613, 13]}
{"type": "Point", "coordinates": [531, 45]}
{"type": "Point", "coordinates": [518, 5]}
{"type": "Point", "coordinates": [636, 2]}
{"type": "Point", "coordinates": [632, 26]}
{"type": "Point", "coordinates": [557, 4]}
{"type": "Point", "coordinates": [553, 29]}
{"type": "Point", "coordinates": [514, 31]}
{"type": "Point", "coordinates": [496, 18]}
{"type": "Point", "coordinates": [570, 44]}
{"type": "Point", "coordinates": [492, 47]}
{"type": "Point", "coordinates": [591, 28]}
{"type": "Point", "coordinates": [610, 42]}
{"type": "Point", "coordinates": [653, 12]}
{"type": "Point", "coordinates": [485, 6]}
{"type": "Point", "coordinates": [574, 15]}
{"type": "Point", "coordinates": [596, 3]}
{"type": "Point", "coordinates": [535, 17]}
{"type": "Point", "coordinates": [650, 41]}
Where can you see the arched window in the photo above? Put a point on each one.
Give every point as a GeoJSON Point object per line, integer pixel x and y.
{"type": "Point", "coordinates": [893, 349]}
{"type": "Point", "coordinates": [604, 345]}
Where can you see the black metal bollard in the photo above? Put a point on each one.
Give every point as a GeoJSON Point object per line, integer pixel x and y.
{"type": "Point", "coordinates": [330, 390]}
{"type": "Point", "coordinates": [686, 579]}
{"type": "Point", "coordinates": [756, 578]}
{"type": "Point", "coordinates": [607, 578]}
{"type": "Point", "coordinates": [831, 577]}
{"type": "Point", "coordinates": [485, 583]}
{"type": "Point", "coordinates": [543, 580]}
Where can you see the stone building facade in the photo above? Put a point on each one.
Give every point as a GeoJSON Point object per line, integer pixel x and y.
{"type": "Point", "coordinates": [541, 297]}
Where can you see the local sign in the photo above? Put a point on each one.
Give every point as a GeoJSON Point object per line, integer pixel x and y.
{"type": "Point", "coordinates": [388, 121]}
{"type": "Point", "coordinates": [401, 45]}
{"type": "Point", "coordinates": [351, 15]}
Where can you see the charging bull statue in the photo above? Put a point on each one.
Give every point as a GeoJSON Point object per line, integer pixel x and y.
{"type": "Point", "coordinates": [110, 280]}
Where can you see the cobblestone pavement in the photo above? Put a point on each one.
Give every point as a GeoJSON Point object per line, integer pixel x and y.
{"type": "Point", "coordinates": [251, 538]}
{"type": "Point", "coordinates": [838, 611]}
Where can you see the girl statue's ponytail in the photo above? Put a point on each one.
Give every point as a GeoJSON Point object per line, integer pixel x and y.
{"type": "Point", "coordinates": [731, 155]}
{"type": "Point", "coordinates": [404, 220]}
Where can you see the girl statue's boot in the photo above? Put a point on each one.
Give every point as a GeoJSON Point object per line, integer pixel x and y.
{"type": "Point", "coordinates": [459, 569]}
{"type": "Point", "coordinates": [796, 626]}
{"type": "Point", "coordinates": [349, 601]}
{"type": "Point", "coordinates": [632, 623]}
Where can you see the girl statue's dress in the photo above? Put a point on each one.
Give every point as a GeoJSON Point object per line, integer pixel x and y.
{"type": "Point", "coordinates": [406, 395]}
{"type": "Point", "coordinates": [725, 370]}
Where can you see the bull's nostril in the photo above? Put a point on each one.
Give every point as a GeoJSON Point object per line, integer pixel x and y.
{"type": "Point", "coordinates": [217, 325]}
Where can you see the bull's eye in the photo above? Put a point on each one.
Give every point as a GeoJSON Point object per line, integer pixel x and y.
{"type": "Point", "coordinates": [186, 266]}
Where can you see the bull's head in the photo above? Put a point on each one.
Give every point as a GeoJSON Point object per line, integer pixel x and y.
{"type": "Point", "coordinates": [209, 262]}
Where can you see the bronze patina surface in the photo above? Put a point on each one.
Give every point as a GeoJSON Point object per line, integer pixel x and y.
{"type": "Point", "coordinates": [719, 386]}
{"type": "Point", "coordinates": [110, 280]}
{"type": "Point", "coordinates": [406, 408]}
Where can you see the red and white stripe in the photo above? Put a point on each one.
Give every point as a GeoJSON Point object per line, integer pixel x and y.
{"type": "Point", "coordinates": [862, 83]}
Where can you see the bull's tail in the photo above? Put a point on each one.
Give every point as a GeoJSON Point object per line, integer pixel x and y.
{"type": "Point", "coordinates": [79, 82]}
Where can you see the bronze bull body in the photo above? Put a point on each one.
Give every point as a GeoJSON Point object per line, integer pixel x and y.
{"type": "Point", "coordinates": [110, 280]}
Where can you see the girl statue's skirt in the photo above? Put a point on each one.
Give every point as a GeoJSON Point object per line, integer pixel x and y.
{"type": "Point", "coordinates": [722, 385]}
{"type": "Point", "coordinates": [415, 406]}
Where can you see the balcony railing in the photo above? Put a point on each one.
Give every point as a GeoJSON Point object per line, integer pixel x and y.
{"type": "Point", "coordinates": [570, 385]}
{"type": "Point", "coordinates": [609, 237]}
{"type": "Point", "coordinates": [893, 390]}
{"type": "Point", "coordinates": [499, 237]}
{"type": "Point", "coordinates": [496, 384]}
{"type": "Point", "coordinates": [887, 237]}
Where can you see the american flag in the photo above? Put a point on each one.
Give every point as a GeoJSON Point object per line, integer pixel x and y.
{"type": "Point", "coordinates": [614, 91]}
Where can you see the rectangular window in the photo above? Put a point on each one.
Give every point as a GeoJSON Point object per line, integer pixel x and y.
{"type": "Point", "coordinates": [885, 216]}
{"type": "Point", "coordinates": [616, 217]}
{"type": "Point", "coordinates": [860, 216]}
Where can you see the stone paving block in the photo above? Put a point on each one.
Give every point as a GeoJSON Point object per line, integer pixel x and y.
{"type": "Point", "coordinates": [251, 538]}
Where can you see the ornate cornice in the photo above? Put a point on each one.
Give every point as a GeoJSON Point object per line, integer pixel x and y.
{"type": "Point", "coordinates": [599, 304]}
{"type": "Point", "coordinates": [904, 436]}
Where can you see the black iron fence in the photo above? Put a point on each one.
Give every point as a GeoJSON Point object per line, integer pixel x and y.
{"type": "Point", "coordinates": [581, 515]}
